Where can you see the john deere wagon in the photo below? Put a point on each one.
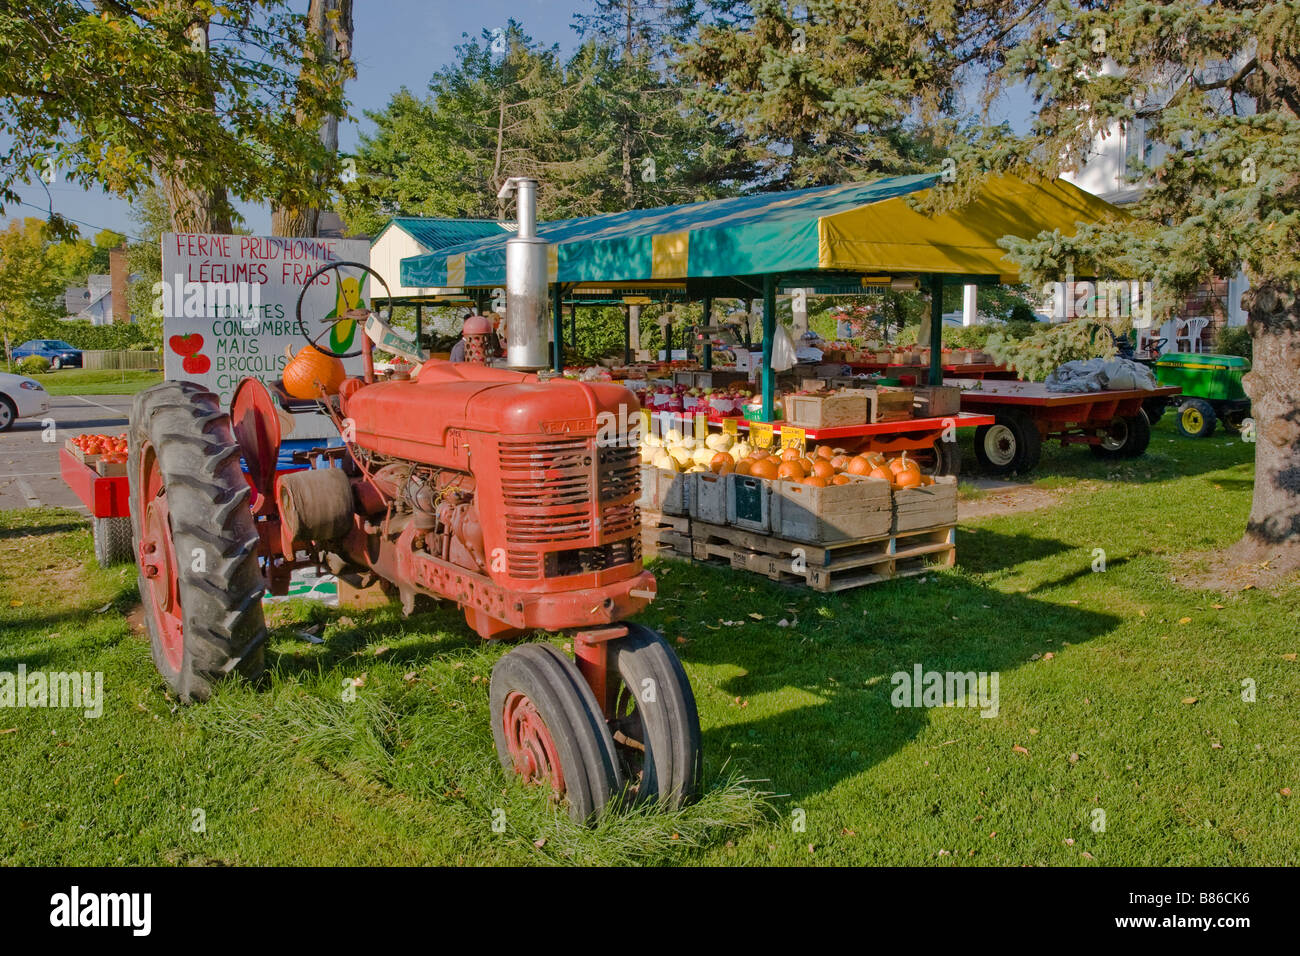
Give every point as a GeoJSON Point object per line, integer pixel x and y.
{"type": "Point", "coordinates": [1211, 390]}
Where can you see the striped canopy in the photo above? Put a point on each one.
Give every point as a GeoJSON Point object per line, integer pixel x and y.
{"type": "Point", "coordinates": [862, 228]}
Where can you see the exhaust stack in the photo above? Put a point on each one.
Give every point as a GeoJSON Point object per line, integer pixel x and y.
{"type": "Point", "coordinates": [527, 348]}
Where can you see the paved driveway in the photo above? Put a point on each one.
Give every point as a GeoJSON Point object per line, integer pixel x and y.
{"type": "Point", "coordinates": [29, 465]}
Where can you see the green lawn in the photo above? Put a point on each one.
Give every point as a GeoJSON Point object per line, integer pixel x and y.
{"type": "Point", "coordinates": [80, 381]}
{"type": "Point", "coordinates": [1122, 689]}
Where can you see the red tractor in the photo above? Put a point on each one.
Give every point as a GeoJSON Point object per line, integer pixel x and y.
{"type": "Point", "coordinates": [490, 487]}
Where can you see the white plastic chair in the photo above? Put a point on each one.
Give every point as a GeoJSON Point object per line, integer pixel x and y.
{"type": "Point", "coordinates": [1191, 334]}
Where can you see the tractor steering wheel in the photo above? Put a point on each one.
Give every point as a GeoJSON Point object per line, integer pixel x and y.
{"type": "Point", "coordinates": [302, 326]}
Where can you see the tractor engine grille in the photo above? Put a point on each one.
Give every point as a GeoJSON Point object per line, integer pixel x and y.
{"type": "Point", "coordinates": [547, 489]}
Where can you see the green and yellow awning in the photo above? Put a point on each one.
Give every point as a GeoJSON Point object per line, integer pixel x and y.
{"type": "Point", "coordinates": [862, 228]}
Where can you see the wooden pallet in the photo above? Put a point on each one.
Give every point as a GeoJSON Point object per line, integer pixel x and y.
{"type": "Point", "coordinates": [665, 536]}
{"type": "Point", "coordinates": [836, 567]}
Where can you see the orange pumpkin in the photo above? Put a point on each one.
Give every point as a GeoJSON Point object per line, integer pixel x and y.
{"type": "Point", "coordinates": [312, 370]}
{"type": "Point", "coordinates": [823, 468]}
{"type": "Point", "coordinates": [791, 471]}
{"type": "Point", "coordinates": [907, 478]}
{"type": "Point", "coordinates": [841, 480]}
{"type": "Point", "coordinates": [722, 463]}
{"type": "Point", "coordinates": [766, 468]}
{"type": "Point", "coordinates": [744, 465]}
{"type": "Point", "coordinates": [825, 451]}
{"type": "Point", "coordinates": [791, 453]}
{"type": "Point", "coordinates": [903, 463]}
{"type": "Point", "coordinates": [840, 462]}
{"type": "Point", "coordinates": [884, 474]}
{"type": "Point", "coordinates": [815, 481]}
{"type": "Point", "coordinates": [859, 466]}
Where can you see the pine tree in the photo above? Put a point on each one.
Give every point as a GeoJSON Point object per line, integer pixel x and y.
{"type": "Point", "coordinates": [1218, 84]}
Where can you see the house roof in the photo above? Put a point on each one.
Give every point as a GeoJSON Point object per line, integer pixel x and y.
{"type": "Point", "coordinates": [435, 233]}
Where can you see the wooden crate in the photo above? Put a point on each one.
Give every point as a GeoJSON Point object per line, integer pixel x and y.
{"type": "Point", "coordinates": [827, 411]}
{"type": "Point", "coordinates": [929, 506]}
{"type": "Point", "coordinates": [860, 509]}
{"type": "Point", "coordinates": [887, 403]}
{"type": "Point", "coordinates": [850, 564]}
{"type": "Point", "coordinates": [664, 491]}
{"type": "Point", "coordinates": [665, 535]}
{"type": "Point", "coordinates": [708, 497]}
{"type": "Point", "coordinates": [937, 401]}
{"type": "Point", "coordinates": [749, 503]}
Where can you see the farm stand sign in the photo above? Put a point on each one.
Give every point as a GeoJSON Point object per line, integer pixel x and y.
{"type": "Point", "coordinates": [228, 308]}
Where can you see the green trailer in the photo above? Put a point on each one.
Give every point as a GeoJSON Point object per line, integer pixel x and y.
{"type": "Point", "coordinates": [1211, 390]}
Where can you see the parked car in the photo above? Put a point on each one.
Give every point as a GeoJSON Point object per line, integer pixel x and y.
{"type": "Point", "coordinates": [60, 353]}
{"type": "Point", "coordinates": [20, 397]}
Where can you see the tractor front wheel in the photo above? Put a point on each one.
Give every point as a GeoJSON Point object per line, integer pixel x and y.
{"type": "Point", "coordinates": [655, 723]}
{"type": "Point", "coordinates": [195, 540]}
{"type": "Point", "coordinates": [1196, 419]}
{"type": "Point", "coordinates": [549, 729]}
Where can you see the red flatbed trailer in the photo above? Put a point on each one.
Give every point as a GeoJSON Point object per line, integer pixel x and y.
{"type": "Point", "coordinates": [1111, 423]}
{"type": "Point", "coordinates": [107, 498]}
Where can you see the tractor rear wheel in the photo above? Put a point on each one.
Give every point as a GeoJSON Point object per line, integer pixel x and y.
{"type": "Point", "coordinates": [549, 730]}
{"type": "Point", "coordinates": [1155, 408]}
{"type": "Point", "coordinates": [1196, 418]}
{"type": "Point", "coordinates": [1012, 443]}
{"type": "Point", "coordinates": [1125, 438]}
{"type": "Point", "coordinates": [195, 540]}
{"type": "Point", "coordinates": [655, 723]}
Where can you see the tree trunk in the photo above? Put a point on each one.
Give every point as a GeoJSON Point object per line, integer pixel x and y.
{"type": "Point", "coordinates": [290, 218]}
{"type": "Point", "coordinates": [194, 208]}
{"type": "Point", "coordinates": [1273, 384]}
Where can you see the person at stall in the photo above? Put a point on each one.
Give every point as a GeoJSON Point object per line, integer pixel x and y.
{"type": "Point", "coordinates": [475, 341]}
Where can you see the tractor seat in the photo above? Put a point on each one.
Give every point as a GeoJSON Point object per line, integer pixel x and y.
{"type": "Point", "coordinates": [294, 406]}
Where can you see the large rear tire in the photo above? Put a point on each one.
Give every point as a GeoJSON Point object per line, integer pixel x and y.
{"type": "Point", "coordinates": [549, 730]}
{"type": "Point", "coordinates": [113, 541]}
{"type": "Point", "coordinates": [195, 540]}
{"type": "Point", "coordinates": [656, 725]}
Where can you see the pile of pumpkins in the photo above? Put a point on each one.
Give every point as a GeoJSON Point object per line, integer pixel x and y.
{"type": "Point", "coordinates": [820, 467]}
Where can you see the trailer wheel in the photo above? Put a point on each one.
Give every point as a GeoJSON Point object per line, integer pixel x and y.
{"type": "Point", "coordinates": [195, 540]}
{"type": "Point", "coordinates": [1155, 408]}
{"type": "Point", "coordinates": [1012, 443]}
{"type": "Point", "coordinates": [656, 725]}
{"type": "Point", "coordinates": [113, 540]}
{"type": "Point", "coordinates": [549, 730]}
{"type": "Point", "coordinates": [1125, 437]}
{"type": "Point", "coordinates": [1196, 419]}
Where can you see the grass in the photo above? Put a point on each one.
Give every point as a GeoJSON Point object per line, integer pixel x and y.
{"type": "Point", "coordinates": [1123, 691]}
{"type": "Point", "coordinates": [80, 381]}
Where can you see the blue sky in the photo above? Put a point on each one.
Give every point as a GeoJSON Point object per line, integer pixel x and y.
{"type": "Point", "coordinates": [397, 43]}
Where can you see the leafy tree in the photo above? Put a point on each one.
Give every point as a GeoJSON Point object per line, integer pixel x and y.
{"type": "Point", "coordinates": [490, 116]}
{"type": "Point", "coordinates": [205, 97]}
{"type": "Point", "coordinates": [34, 269]}
{"type": "Point", "coordinates": [1218, 83]}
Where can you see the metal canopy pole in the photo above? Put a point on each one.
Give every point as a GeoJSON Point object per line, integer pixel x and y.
{"type": "Point", "coordinates": [419, 324]}
{"type": "Point", "coordinates": [627, 335]}
{"type": "Point", "coordinates": [573, 324]}
{"type": "Point", "coordinates": [557, 300]}
{"type": "Point", "coordinates": [707, 348]}
{"type": "Point", "coordinates": [936, 330]}
{"type": "Point", "coordinates": [769, 333]}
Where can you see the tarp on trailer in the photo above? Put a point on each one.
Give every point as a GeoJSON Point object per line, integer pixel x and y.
{"type": "Point", "coordinates": [860, 228]}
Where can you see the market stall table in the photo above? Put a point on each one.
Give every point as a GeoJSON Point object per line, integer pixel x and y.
{"type": "Point", "coordinates": [967, 370]}
{"type": "Point", "coordinates": [1112, 423]}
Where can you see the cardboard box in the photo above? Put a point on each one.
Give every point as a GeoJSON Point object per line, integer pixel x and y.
{"type": "Point", "coordinates": [861, 509]}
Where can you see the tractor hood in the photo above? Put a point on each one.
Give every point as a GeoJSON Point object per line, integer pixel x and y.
{"type": "Point", "coordinates": [412, 419]}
